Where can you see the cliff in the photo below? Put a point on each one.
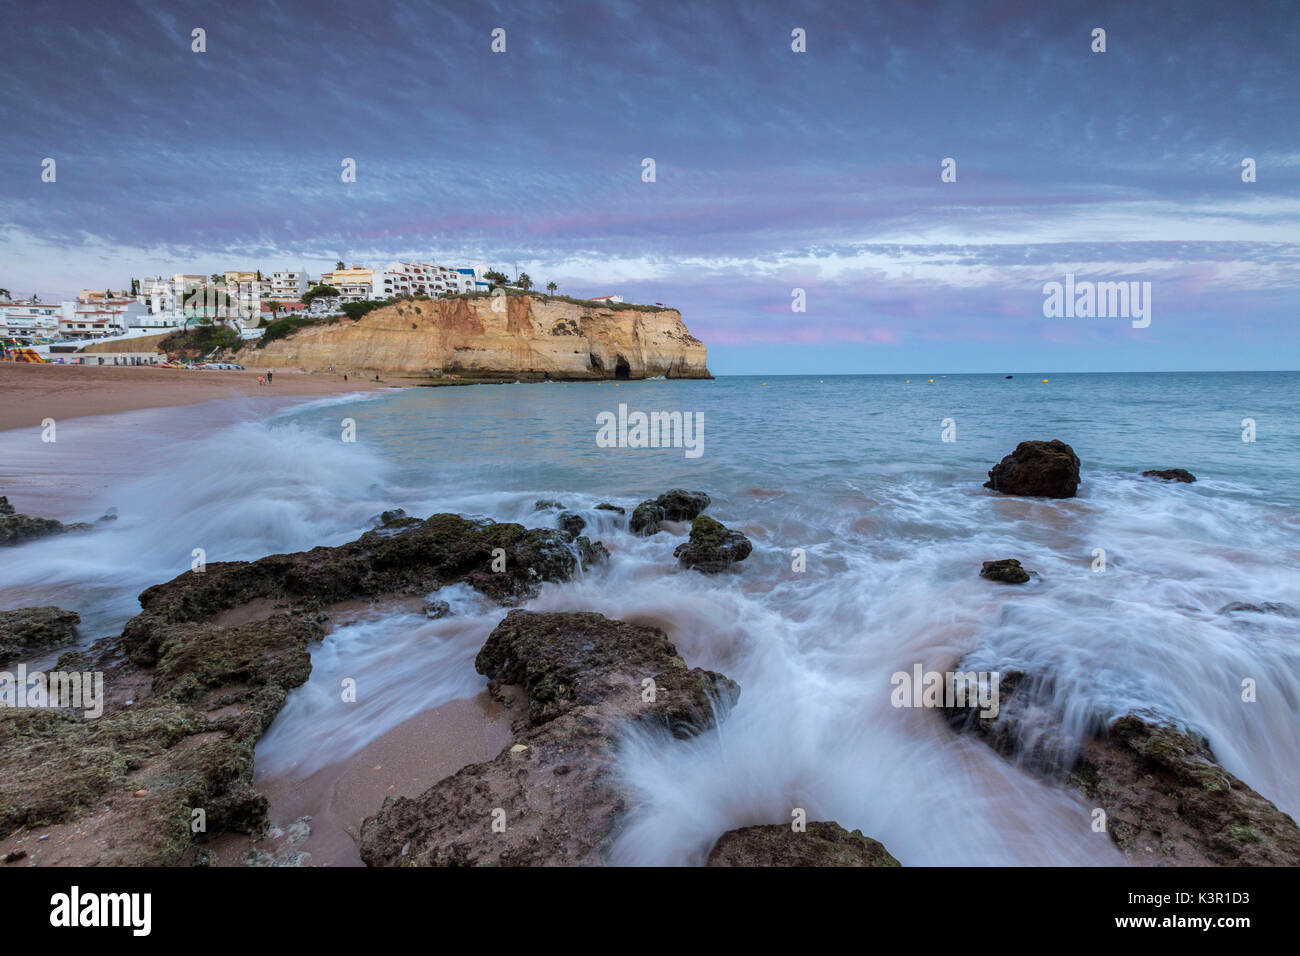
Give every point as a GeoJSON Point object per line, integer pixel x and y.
{"type": "Point", "coordinates": [531, 338]}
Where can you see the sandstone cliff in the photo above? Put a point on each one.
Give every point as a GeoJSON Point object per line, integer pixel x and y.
{"type": "Point", "coordinates": [531, 338]}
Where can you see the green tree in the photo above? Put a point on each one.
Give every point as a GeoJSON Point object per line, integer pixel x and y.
{"type": "Point", "coordinates": [5, 293]}
{"type": "Point", "coordinates": [496, 278]}
{"type": "Point", "coordinates": [339, 264]}
{"type": "Point", "coordinates": [524, 281]}
{"type": "Point", "coordinates": [274, 307]}
{"type": "Point", "coordinates": [319, 291]}
{"type": "Point", "coordinates": [551, 287]}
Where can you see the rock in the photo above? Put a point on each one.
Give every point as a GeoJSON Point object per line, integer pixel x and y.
{"type": "Point", "coordinates": [35, 628]}
{"type": "Point", "coordinates": [822, 844]}
{"type": "Point", "coordinates": [1166, 798]}
{"type": "Point", "coordinates": [1171, 474]}
{"type": "Point", "coordinates": [203, 693]}
{"type": "Point", "coordinates": [583, 676]}
{"type": "Point", "coordinates": [13, 856]}
{"type": "Point", "coordinates": [645, 519]}
{"type": "Point", "coordinates": [712, 546]}
{"type": "Point", "coordinates": [1264, 607]}
{"type": "Point", "coordinates": [1007, 571]}
{"type": "Point", "coordinates": [18, 529]}
{"type": "Point", "coordinates": [388, 517]}
{"type": "Point", "coordinates": [435, 608]}
{"type": "Point", "coordinates": [571, 523]}
{"type": "Point", "coordinates": [548, 504]}
{"type": "Point", "coordinates": [674, 505]}
{"type": "Point", "coordinates": [606, 506]}
{"type": "Point", "coordinates": [1038, 469]}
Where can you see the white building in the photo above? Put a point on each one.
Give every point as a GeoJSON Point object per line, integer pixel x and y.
{"type": "Point", "coordinates": [286, 285]}
{"type": "Point", "coordinates": [28, 322]}
{"type": "Point", "coordinates": [96, 319]}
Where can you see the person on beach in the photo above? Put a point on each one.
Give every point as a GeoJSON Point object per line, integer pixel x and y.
{"type": "Point", "coordinates": [269, 373]}
{"type": "Point", "coordinates": [260, 381]}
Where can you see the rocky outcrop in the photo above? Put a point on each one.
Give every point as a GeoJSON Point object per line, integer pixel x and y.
{"type": "Point", "coordinates": [550, 798]}
{"type": "Point", "coordinates": [1166, 798]}
{"type": "Point", "coordinates": [35, 628]}
{"type": "Point", "coordinates": [1007, 571]}
{"type": "Point", "coordinates": [821, 844]}
{"type": "Point", "coordinates": [1037, 469]}
{"type": "Point", "coordinates": [1171, 474]}
{"type": "Point", "coordinates": [712, 547]}
{"type": "Point", "coordinates": [531, 338]}
{"type": "Point", "coordinates": [200, 673]}
{"type": "Point", "coordinates": [18, 528]}
{"type": "Point", "coordinates": [674, 505]}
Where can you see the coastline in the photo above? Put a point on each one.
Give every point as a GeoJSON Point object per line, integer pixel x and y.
{"type": "Point", "coordinates": [36, 392]}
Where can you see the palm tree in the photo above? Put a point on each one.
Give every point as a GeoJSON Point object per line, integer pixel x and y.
{"type": "Point", "coordinates": [274, 307]}
{"type": "Point", "coordinates": [5, 293]}
{"type": "Point", "coordinates": [551, 287]}
{"type": "Point", "coordinates": [524, 281]}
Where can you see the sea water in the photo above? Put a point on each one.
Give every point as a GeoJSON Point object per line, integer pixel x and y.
{"type": "Point", "coordinates": [868, 529]}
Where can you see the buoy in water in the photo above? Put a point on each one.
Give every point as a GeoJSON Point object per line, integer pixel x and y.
{"type": "Point", "coordinates": [1044, 381]}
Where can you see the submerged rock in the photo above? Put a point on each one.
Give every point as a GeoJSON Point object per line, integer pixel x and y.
{"type": "Point", "coordinates": [712, 546]}
{"type": "Point", "coordinates": [1007, 571]}
{"type": "Point", "coordinates": [436, 608]}
{"type": "Point", "coordinates": [1263, 607]}
{"type": "Point", "coordinates": [822, 844]}
{"type": "Point", "coordinates": [188, 697]}
{"type": "Point", "coordinates": [552, 794]}
{"type": "Point", "coordinates": [548, 504]}
{"type": "Point", "coordinates": [35, 628]}
{"type": "Point", "coordinates": [1171, 474]}
{"type": "Point", "coordinates": [606, 506]}
{"type": "Point", "coordinates": [674, 505]}
{"type": "Point", "coordinates": [1038, 469]}
{"type": "Point", "coordinates": [1166, 798]}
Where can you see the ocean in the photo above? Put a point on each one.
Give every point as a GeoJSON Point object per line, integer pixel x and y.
{"type": "Point", "coordinates": [868, 527]}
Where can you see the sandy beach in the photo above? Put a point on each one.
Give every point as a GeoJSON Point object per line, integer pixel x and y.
{"type": "Point", "coordinates": [35, 392]}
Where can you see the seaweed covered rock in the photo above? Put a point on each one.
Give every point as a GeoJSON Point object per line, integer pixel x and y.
{"type": "Point", "coordinates": [1006, 571]}
{"type": "Point", "coordinates": [190, 689]}
{"type": "Point", "coordinates": [712, 546]}
{"type": "Point", "coordinates": [1171, 474]}
{"type": "Point", "coordinates": [1038, 469]}
{"type": "Point", "coordinates": [35, 628]}
{"type": "Point", "coordinates": [674, 505]}
{"type": "Point", "coordinates": [1167, 799]}
{"type": "Point", "coordinates": [552, 793]}
{"type": "Point", "coordinates": [140, 770]}
{"type": "Point", "coordinates": [821, 844]}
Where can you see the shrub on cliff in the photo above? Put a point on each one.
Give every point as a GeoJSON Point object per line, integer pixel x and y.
{"type": "Point", "coordinates": [282, 327]}
{"type": "Point", "coordinates": [355, 310]}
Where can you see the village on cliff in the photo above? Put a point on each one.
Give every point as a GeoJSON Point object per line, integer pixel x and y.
{"type": "Point", "coordinates": [243, 302]}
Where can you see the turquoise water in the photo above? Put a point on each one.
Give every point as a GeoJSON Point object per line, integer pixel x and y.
{"type": "Point", "coordinates": [893, 522]}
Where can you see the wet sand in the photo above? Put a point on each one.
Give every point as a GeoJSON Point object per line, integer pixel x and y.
{"type": "Point", "coordinates": [404, 762]}
{"type": "Point", "coordinates": [35, 392]}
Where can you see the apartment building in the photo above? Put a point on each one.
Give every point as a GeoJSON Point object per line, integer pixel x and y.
{"type": "Point", "coordinates": [27, 322]}
{"type": "Point", "coordinates": [354, 284]}
{"type": "Point", "coordinates": [100, 317]}
{"type": "Point", "coordinates": [286, 285]}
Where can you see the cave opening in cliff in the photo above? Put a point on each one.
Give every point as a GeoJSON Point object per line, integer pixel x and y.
{"type": "Point", "coordinates": [622, 370]}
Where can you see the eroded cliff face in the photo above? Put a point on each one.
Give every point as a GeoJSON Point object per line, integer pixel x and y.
{"type": "Point", "coordinates": [531, 338]}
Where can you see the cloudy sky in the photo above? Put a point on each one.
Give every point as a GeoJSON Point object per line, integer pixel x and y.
{"type": "Point", "coordinates": [774, 170]}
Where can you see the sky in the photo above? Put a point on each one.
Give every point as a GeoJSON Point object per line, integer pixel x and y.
{"type": "Point", "coordinates": [774, 170]}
